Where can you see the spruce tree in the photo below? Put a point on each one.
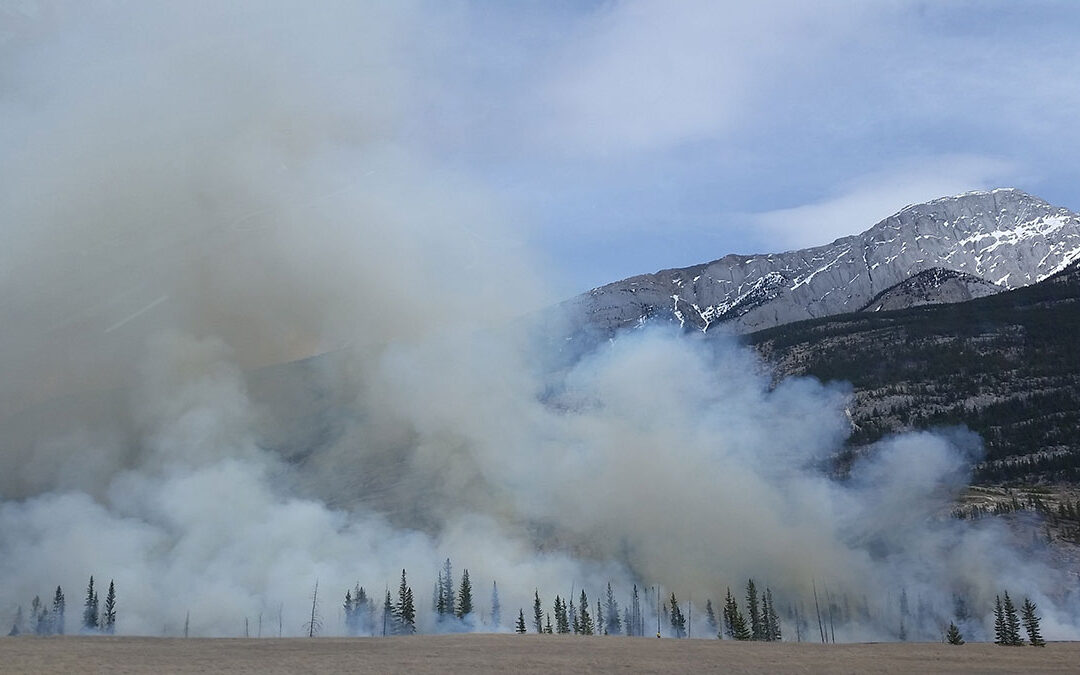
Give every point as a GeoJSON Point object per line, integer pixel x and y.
{"type": "Point", "coordinates": [734, 621]}
{"type": "Point", "coordinates": [438, 602]}
{"type": "Point", "coordinates": [772, 619]}
{"type": "Point", "coordinates": [363, 611]}
{"type": "Point", "coordinates": [678, 621]}
{"type": "Point", "coordinates": [1012, 622]}
{"type": "Point", "coordinates": [389, 621]}
{"type": "Point", "coordinates": [710, 619]}
{"type": "Point", "coordinates": [613, 623]}
{"type": "Point", "coordinates": [538, 612]}
{"type": "Point", "coordinates": [1000, 631]}
{"type": "Point", "coordinates": [1031, 624]}
{"type": "Point", "coordinates": [496, 608]}
{"type": "Point", "coordinates": [547, 629]}
{"type": "Point", "coordinates": [464, 599]}
{"type": "Point", "coordinates": [350, 618]}
{"type": "Point", "coordinates": [757, 631]}
{"type": "Point", "coordinates": [405, 611]}
{"type": "Point", "coordinates": [447, 588]}
{"type": "Point", "coordinates": [953, 635]}
{"type": "Point", "coordinates": [635, 614]}
{"type": "Point", "coordinates": [628, 626]}
{"type": "Point", "coordinates": [562, 620]}
{"type": "Point", "coordinates": [58, 612]}
{"type": "Point", "coordinates": [17, 624]}
{"type": "Point", "coordinates": [39, 617]}
{"type": "Point", "coordinates": [90, 608]}
{"type": "Point", "coordinates": [585, 624]}
{"type": "Point", "coordinates": [520, 622]}
{"type": "Point", "coordinates": [108, 619]}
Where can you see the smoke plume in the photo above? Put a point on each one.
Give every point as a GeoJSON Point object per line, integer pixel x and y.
{"type": "Point", "coordinates": [255, 336]}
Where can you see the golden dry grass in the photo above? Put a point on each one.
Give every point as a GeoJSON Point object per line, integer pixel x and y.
{"type": "Point", "coordinates": [515, 654]}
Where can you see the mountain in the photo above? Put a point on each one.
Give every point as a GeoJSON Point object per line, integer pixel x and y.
{"type": "Point", "coordinates": [935, 286]}
{"type": "Point", "coordinates": [1005, 238]}
{"type": "Point", "coordinates": [1007, 366]}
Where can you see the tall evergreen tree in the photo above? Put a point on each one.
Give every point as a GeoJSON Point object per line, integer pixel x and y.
{"type": "Point", "coordinates": [678, 621]}
{"type": "Point", "coordinates": [757, 631]}
{"type": "Point", "coordinates": [39, 616]}
{"type": "Point", "coordinates": [520, 628]}
{"type": "Point", "coordinates": [90, 608]}
{"type": "Point", "coordinates": [437, 601]}
{"type": "Point", "coordinates": [635, 614]}
{"type": "Point", "coordinates": [1012, 621]}
{"type": "Point", "coordinates": [772, 619]}
{"type": "Point", "coordinates": [953, 635]}
{"type": "Point", "coordinates": [585, 623]}
{"type": "Point", "coordinates": [108, 619]}
{"type": "Point", "coordinates": [496, 608]}
{"type": "Point", "coordinates": [1001, 635]}
{"type": "Point", "coordinates": [628, 624]}
{"type": "Point", "coordinates": [58, 611]}
{"type": "Point", "coordinates": [447, 588]}
{"type": "Point", "coordinates": [350, 619]}
{"type": "Point", "coordinates": [710, 619]}
{"type": "Point", "coordinates": [612, 621]}
{"type": "Point", "coordinates": [562, 620]}
{"type": "Point", "coordinates": [547, 629]}
{"type": "Point", "coordinates": [734, 621]}
{"type": "Point", "coordinates": [538, 612]}
{"type": "Point", "coordinates": [17, 625]}
{"type": "Point", "coordinates": [575, 623]}
{"type": "Point", "coordinates": [464, 599]}
{"type": "Point", "coordinates": [405, 611]}
{"type": "Point", "coordinates": [1031, 624]}
{"type": "Point", "coordinates": [389, 621]}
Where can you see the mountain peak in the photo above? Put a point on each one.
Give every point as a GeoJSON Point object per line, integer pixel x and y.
{"type": "Point", "coordinates": [1005, 237]}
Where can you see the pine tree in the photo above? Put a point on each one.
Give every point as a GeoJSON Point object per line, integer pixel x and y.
{"type": "Point", "coordinates": [520, 622]}
{"type": "Point", "coordinates": [628, 625]}
{"type": "Point", "coordinates": [405, 611]}
{"type": "Point", "coordinates": [547, 629]}
{"type": "Point", "coordinates": [17, 624]}
{"type": "Point", "coordinates": [1031, 624]}
{"type": "Point", "coordinates": [710, 619]}
{"type": "Point", "coordinates": [772, 619]}
{"type": "Point", "coordinates": [90, 608]}
{"type": "Point", "coordinates": [538, 613]}
{"type": "Point", "coordinates": [1012, 622]}
{"type": "Point", "coordinates": [464, 599]}
{"type": "Point", "coordinates": [575, 624]}
{"type": "Point", "coordinates": [496, 608]}
{"type": "Point", "coordinates": [350, 618]}
{"type": "Point", "coordinates": [389, 621]}
{"type": "Point", "coordinates": [734, 621]}
{"type": "Point", "coordinates": [613, 624]}
{"type": "Point", "coordinates": [600, 627]}
{"type": "Point", "coordinates": [58, 611]}
{"type": "Point", "coordinates": [585, 624]}
{"type": "Point", "coordinates": [953, 635]}
{"type": "Point", "coordinates": [437, 601]}
{"type": "Point", "coordinates": [635, 614]}
{"type": "Point", "coordinates": [678, 621]}
{"type": "Point", "coordinates": [108, 619]}
{"type": "Point", "coordinates": [562, 621]}
{"type": "Point", "coordinates": [39, 617]}
{"type": "Point", "coordinates": [1000, 631]}
{"type": "Point", "coordinates": [757, 631]}
{"type": "Point", "coordinates": [447, 579]}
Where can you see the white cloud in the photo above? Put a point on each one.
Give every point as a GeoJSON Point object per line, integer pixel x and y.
{"type": "Point", "coordinates": [861, 203]}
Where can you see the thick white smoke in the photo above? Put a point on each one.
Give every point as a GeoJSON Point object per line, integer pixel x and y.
{"type": "Point", "coordinates": [194, 200]}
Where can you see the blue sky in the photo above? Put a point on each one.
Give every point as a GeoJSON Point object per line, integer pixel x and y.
{"type": "Point", "coordinates": [633, 136]}
{"type": "Point", "coordinates": [615, 137]}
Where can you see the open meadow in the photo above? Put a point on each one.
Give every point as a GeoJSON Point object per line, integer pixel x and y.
{"type": "Point", "coordinates": [516, 654]}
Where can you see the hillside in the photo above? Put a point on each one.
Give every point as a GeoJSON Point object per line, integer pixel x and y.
{"type": "Point", "coordinates": [1007, 366]}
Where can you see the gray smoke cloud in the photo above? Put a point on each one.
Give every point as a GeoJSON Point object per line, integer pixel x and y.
{"type": "Point", "coordinates": [255, 337]}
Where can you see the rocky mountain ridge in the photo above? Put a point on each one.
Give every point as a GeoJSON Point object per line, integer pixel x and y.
{"type": "Point", "coordinates": [1005, 237]}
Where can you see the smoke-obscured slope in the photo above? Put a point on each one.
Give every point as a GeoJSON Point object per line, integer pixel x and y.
{"type": "Point", "coordinates": [191, 198]}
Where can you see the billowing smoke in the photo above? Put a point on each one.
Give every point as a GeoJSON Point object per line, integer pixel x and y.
{"type": "Point", "coordinates": [255, 337]}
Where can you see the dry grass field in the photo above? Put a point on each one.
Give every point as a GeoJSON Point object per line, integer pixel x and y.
{"type": "Point", "coordinates": [515, 654]}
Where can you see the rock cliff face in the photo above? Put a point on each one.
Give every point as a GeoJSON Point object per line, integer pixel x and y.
{"type": "Point", "coordinates": [1004, 237]}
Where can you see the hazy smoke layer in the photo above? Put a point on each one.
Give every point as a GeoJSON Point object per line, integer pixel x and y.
{"type": "Point", "coordinates": [192, 199]}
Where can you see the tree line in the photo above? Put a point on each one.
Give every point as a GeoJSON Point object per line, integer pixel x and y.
{"type": "Point", "coordinates": [45, 619]}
